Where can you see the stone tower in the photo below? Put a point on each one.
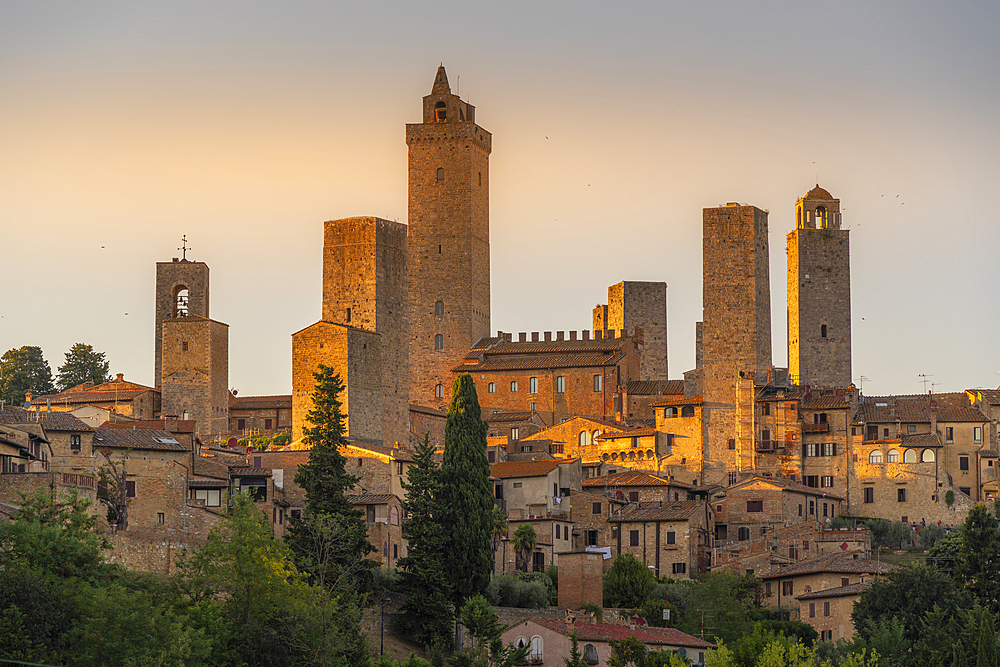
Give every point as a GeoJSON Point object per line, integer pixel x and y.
{"type": "Point", "coordinates": [819, 293]}
{"type": "Point", "coordinates": [181, 290]}
{"type": "Point", "coordinates": [736, 333]}
{"type": "Point", "coordinates": [448, 243]}
{"type": "Point", "coordinates": [643, 305]}
{"type": "Point", "coordinates": [195, 367]}
{"type": "Point", "coordinates": [364, 286]}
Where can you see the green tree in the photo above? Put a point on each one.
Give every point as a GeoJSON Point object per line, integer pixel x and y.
{"type": "Point", "coordinates": [908, 593]}
{"type": "Point", "coordinates": [945, 552]}
{"type": "Point", "coordinates": [82, 365]}
{"type": "Point", "coordinates": [524, 542]}
{"type": "Point", "coordinates": [324, 477]}
{"type": "Point", "coordinates": [628, 583]}
{"type": "Point", "coordinates": [488, 649]}
{"type": "Point", "coordinates": [627, 652]}
{"type": "Point", "coordinates": [466, 494]}
{"type": "Point", "coordinates": [720, 605]}
{"type": "Point", "coordinates": [987, 654]}
{"type": "Point", "coordinates": [978, 562]}
{"type": "Point", "coordinates": [24, 369]}
{"type": "Point", "coordinates": [427, 612]}
{"type": "Point", "coordinates": [575, 658]}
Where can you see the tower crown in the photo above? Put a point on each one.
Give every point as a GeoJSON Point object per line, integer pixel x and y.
{"type": "Point", "coordinates": [443, 107]}
{"type": "Point", "coordinates": [817, 210]}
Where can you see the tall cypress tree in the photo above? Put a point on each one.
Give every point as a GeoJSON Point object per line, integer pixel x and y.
{"type": "Point", "coordinates": [467, 499]}
{"type": "Point", "coordinates": [427, 612]}
{"type": "Point", "coordinates": [324, 478]}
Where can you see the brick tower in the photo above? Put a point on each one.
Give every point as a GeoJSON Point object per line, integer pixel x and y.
{"type": "Point", "coordinates": [819, 293]}
{"type": "Point", "coordinates": [736, 334]}
{"type": "Point", "coordinates": [181, 290]}
{"type": "Point", "coordinates": [634, 304]}
{"type": "Point", "coordinates": [448, 242]}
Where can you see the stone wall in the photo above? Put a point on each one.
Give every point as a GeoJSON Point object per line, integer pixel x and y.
{"type": "Point", "coordinates": [643, 305]}
{"type": "Point", "coordinates": [170, 278]}
{"type": "Point", "coordinates": [195, 368]}
{"type": "Point", "coordinates": [143, 552]}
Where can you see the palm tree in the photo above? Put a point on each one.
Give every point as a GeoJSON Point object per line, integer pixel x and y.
{"type": "Point", "coordinates": [524, 542]}
{"type": "Point", "coordinates": [499, 528]}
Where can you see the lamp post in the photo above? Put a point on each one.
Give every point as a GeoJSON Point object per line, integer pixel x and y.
{"type": "Point", "coordinates": [382, 603]}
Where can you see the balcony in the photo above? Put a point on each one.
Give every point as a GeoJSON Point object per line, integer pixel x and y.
{"type": "Point", "coordinates": [823, 427]}
{"type": "Point", "coordinates": [767, 445]}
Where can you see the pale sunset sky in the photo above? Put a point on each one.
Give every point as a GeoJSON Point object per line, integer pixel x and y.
{"type": "Point", "coordinates": [245, 125]}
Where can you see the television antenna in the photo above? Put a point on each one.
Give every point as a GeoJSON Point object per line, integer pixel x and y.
{"type": "Point", "coordinates": [923, 378]}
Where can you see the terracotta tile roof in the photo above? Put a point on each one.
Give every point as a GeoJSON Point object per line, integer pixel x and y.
{"type": "Point", "coordinates": [283, 460]}
{"type": "Point", "coordinates": [371, 499]}
{"type": "Point", "coordinates": [602, 632]}
{"type": "Point", "coordinates": [668, 402]}
{"type": "Point", "coordinates": [515, 363]}
{"type": "Point", "coordinates": [506, 416]}
{"type": "Point", "coordinates": [787, 484]}
{"type": "Point", "coordinates": [922, 440]}
{"type": "Point", "coordinates": [428, 411]}
{"type": "Point", "coordinates": [839, 591]}
{"type": "Point", "coordinates": [50, 421]}
{"type": "Point", "coordinates": [818, 193]}
{"type": "Point", "coordinates": [117, 389]}
{"type": "Point", "coordinates": [989, 453]}
{"type": "Point", "coordinates": [654, 387]}
{"type": "Point", "coordinates": [238, 471]}
{"type": "Point", "coordinates": [850, 562]}
{"type": "Point", "coordinates": [633, 478]}
{"type": "Point", "coordinates": [836, 401]}
{"type": "Point", "coordinates": [991, 396]}
{"type": "Point", "coordinates": [630, 433]}
{"type": "Point", "coordinates": [172, 425]}
{"type": "Point", "coordinates": [139, 438]}
{"type": "Point", "coordinates": [201, 482]}
{"type": "Point", "coordinates": [259, 402]}
{"type": "Point", "coordinates": [208, 467]}
{"type": "Point", "coordinates": [513, 469]}
{"type": "Point", "coordinates": [392, 452]}
{"type": "Point", "coordinates": [952, 407]}
{"type": "Point", "coordinates": [675, 510]}
{"type": "Point", "coordinates": [843, 535]}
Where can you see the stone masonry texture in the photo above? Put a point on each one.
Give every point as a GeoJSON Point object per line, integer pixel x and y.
{"type": "Point", "coordinates": [171, 278]}
{"type": "Point", "coordinates": [196, 372]}
{"type": "Point", "coordinates": [448, 244]}
{"type": "Point", "coordinates": [364, 286]}
{"type": "Point", "coordinates": [642, 305]}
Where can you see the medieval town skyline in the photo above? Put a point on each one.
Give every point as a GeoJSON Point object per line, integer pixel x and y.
{"type": "Point", "coordinates": [127, 128]}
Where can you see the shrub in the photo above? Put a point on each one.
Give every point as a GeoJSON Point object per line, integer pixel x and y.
{"type": "Point", "coordinates": [527, 591]}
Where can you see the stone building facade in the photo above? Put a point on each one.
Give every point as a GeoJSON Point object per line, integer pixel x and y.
{"type": "Point", "coordinates": [181, 290]}
{"type": "Point", "coordinates": [673, 537]}
{"type": "Point", "coordinates": [638, 305]}
{"type": "Point", "coordinates": [195, 372]}
{"type": "Point", "coordinates": [819, 293]}
{"type": "Point", "coordinates": [449, 238]}
{"type": "Point", "coordinates": [736, 334]}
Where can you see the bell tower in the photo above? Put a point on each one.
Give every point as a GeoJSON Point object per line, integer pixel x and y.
{"type": "Point", "coordinates": [819, 293]}
{"type": "Point", "coordinates": [448, 240]}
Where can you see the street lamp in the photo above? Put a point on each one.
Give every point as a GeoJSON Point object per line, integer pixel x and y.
{"type": "Point", "coordinates": [382, 603]}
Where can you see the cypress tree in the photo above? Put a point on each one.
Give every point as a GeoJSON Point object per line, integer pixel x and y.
{"type": "Point", "coordinates": [324, 478]}
{"type": "Point", "coordinates": [427, 612]}
{"type": "Point", "coordinates": [467, 499]}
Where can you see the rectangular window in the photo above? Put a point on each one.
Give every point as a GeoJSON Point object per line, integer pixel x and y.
{"type": "Point", "coordinates": [538, 561]}
{"type": "Point", "coordinates": [811, 480]}
{"type": "Point", "coordinates": [963, 462]}
{"type": "Point", "coordinates": [977, 435]}
{"type": "Point", "coordinates": [755, 506]}
{"type": "Point", "coordinates": [532, 385]}
{"type": "Point", "coordinates": [513, 433]}
{"type": "Point", "coordinates": [767, 589]}
{"type": "Point", "coordinates": [184, 346]}
{"type": "Point", "coordinates": [399, 467]}
{"type": "Point", "coordinates": [901, 495]}
{"type": "Point", "coordinates": [671, 537]}
{"type": "Point", "coordinates": [810, 449]}
{"type": "Point", "coordinates": [826, 636]}
{"type": "Point", "coordinates": [826, 608]}
{"type": "Point", "coordinates": [966, 490]}
{"type": "Point", "coordinates": [822, 331]}
{"type": "Point", "coordinates": [517, 485]}
{"type": "Point", "coordinates": [130, 489]}
{"type": "Point", "coordinates": [370, 513]}
{"type": "Point", "coordinates": [633, 538]}
{"type": "Point", "coordinates": [633, 496]}
{"type": "Point", "coordinates": [829, 449]}
{"type": "Point", "coordinates": [241, 425]}
{"type": "Point", "coordinates": [812, 610]}
{"type": "Point", "coordinates": [800, 509]}
{"type": "Point", "coordinates": [558, 531]}
{"type": "Point", "coordinates": [812, 507]}
{"type": "Point", "coordinates": [491, 456]}
{"type": "Point", "coordinates": [766, 409]}
{"type": "Point", "coordinates": [949, 434]}
{"type": "Point", "coordinates": [534, 407]}
{"type": "Point", "coordinates": [212, 497]}
{"type": "Point", "coordinates": [732, 445]}
{"type": "Point", "coordinates": [844, 581]}
{"type": "Point", "coordinates": [268, 424]}
{"type": "Point", "coordinates": [590, 538]}
{"type": "Point", "coordinates": [296, 514]}
{"type": "Point", "coordinates": [787, 587]}
{"type": "Point", "coordinates": [597, 508]}
{"type": "Point", "coordinates": [75, 441]}
{"type": "Point", "coordinates": [513, 386]}
{"type": "Point", "coordinates": [598, 382]}
{"type": "Point", "coordinates": [680, 568]}
{"type": "Point", "coordinates": [885, 432]}
{"type": "Point", "coordinates": [491, 387]}
{"type": "Point", "coordinates": [869, 494]}
{"type": "Point", "coordinates": [825, 506]}
{"type": "Point", "coordinates": [911, 428]}
{"type": "Point", "coordinates": [160, 518]}
{"type": "Point", "coordinates": [826, 481]}
{"type": "Point", "coordinates": [561, 384]}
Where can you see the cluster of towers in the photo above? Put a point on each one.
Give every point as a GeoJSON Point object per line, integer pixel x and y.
{"type": "Point", "coordinates": [403, 303]}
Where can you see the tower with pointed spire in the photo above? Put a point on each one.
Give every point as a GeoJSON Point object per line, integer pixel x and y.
{"type": "Point", "coordinates": [448, 240]}
{"type": "Point", "coordinates": [819, 293]}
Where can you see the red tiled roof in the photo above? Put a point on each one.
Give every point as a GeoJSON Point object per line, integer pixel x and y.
{"type": "Point", "coordinates": [668, 402]}
{"type": "Point", "coordinates": [952, 407]}
{"type": "Point", "coordinates": [139, 438]}
{"type": "Point", "coordinates": [631, 433]}
{"type": "Point", "coordinates": [789, 485]}
{"type": "Point", "coordinates": [370, 498]}
{"type": "Point", "coordinates": [818, 193]}
{"type": "Point", "coordinates": [676, 510]}
{"type": "Point", "coordinates": [646, 634]}
{"type": "Point", "coordinates": [517, 362]}
{"type": "Point", "coordinates": [633, 478]}
{"type": "Point", "coordinates": [51, 421]}
{"type": "Point", "coordinates": [117, 389]}
{"type": "Point", "coordinates": [654, 387]}
{"type": "Point", "coordinates": [839, 591]}
{"type": "Point", "coordinates": [238, 471]}
{"type": "Point", "coordinates": [172, 425]}
{"type": "Point", "coordinates": [506, 416]}
{"type": "Point", "coordinates": [283, 460]}
{"type": "Point", "coordinates": [260, 402]}
{"type": "Point", "coordinates": [428, 411]}
{"type": "Point", "coordinates": [850, 562]}
{"type": "Point", "coordinates": [826, 402]}
{"type": "Point", "coordinates": [512, 469]}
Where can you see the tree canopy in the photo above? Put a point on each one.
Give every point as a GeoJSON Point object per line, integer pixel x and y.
{"type": "Point", "coordinates": [24, 369]}
{"type": "Point", "coordinates": [83, 364]}
{"type": "Point", "coordinates": [628, 582]}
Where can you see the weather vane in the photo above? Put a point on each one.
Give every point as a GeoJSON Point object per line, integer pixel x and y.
{"type": "Point", "coordinates": [184, 247]}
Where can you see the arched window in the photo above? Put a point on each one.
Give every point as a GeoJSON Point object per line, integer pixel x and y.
{"type": "Point", "coordinates": [595, 435]}
{"type": "Point", "coordinates": [614, 456]}
{"type": "Point", "coordinates": [536, 648]}
{"type": "Point", "coordinates": [393, 516]}
{"type": "Point", "coordinates": [669, 413]}
{"type": "Point", "coordinates": [875, 457]}
{"type": "Point", "coordinates": [822, 219]}
{"type": "Point", "coordinates": [521, 642]}
{"type": "Point", "coordinates": [892, 456]}
{"type": "Point", "coordinates": [687, 411]}
{"type": "Point", "coordinates": [605, 456]}
{"type": "Point", "coordinates": [631, 456]}
{"type": "Point", "coordinates": [927, 456]}
{"type": "Point", "coordinates": [181, 296]}
{"type": "Point", "coordinates": [492, 388]}
{"type": "Point", "coordinates": [440, 112]}
{"type": "Point", "coordinates": [649, 453]}
{"type": "Point", "coordinates": [583, 439]}
{"type": "Point", "coordinates": [439, 391]}
{"type": "Point", "coordinates": [910, 456]}
{"type": "Point", "coordinates": [590, 654]}
{"type": "Point", "coordinates": [439, 309]}
{"type": "Point", "coordinates": [440, 173]}
{"type": "Point", "coordinates": [743, 533]}
{"type": "Point", "coordinates": [439, 342]}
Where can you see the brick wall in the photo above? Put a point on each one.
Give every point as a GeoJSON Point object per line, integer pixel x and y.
{"type": "Point", "coordinates": [643, 305]}
{"type": "Point", "coordinates": [195, 369]}
{"type": "Point", "coordinates": [171, 277]}
{"type": "Point", "coordinates": [580, 580]}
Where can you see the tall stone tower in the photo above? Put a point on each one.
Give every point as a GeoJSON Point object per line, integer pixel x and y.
{"type": "Point", "coordinates": [181, 290]}
{"type": "Point", "coordinates": [448, 243]}
{"type": "Point", "coordinates": [195, 367]}
{"type": "Point", "coordinates": [819, 293]}
{"type": "Point", "coordinates": [736, 333]}
{"type": "Point", "coordinates": [633, 304]}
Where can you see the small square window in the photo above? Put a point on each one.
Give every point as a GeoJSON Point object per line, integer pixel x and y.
{"type": "Point", "coordinates": [901, 495]}
{"type": "Point", "coordinates": [671, 537]}
{"type": "Point", "coordinates": [679, 568]}
{"type": "Point", "coordinates": [633, 538]}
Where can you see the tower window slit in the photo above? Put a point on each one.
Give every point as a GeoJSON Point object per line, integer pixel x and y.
{"type": "Point", "coordinates": [822, 331]}
{"type": "Point", "coordinates": [440, 173]}
{"type": "Point", "coordinates": [439, 249]}
{"type": "Point", "coordinates": [439, 342]}
{"type": "Point", "coordinates": [439, 309]}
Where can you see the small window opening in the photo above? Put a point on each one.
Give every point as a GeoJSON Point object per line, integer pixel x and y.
{"type": "Point", "coordinates": [439, 391]}
{"type": "Point", "coordinates": [439, 342]}
{"type": "Point", "coordinates": [184, 346]}
{"type": "Point", "coordinates": [439, 309]}
{"type": "Point", "coordinates": [440, 173]}
{"type": "Point", "coordinates": [348, 316]}
{"type": "Point", "coordinates": [822, 331]}
{"type": "Point", "coordinates": [439, 249]}
{"type": "Point", "coordinates": [440, 113]}
{"type": "Point", "coordinates": [181, 297]}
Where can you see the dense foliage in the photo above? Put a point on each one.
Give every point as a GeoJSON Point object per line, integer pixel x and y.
{"type": "Point", "coordinates": [24, 369]}
{"type": "Point", "coordinates": [83, 365]}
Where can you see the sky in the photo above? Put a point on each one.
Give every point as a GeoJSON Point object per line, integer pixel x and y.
{"type": "Point", "coordinates": [244, 125]}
